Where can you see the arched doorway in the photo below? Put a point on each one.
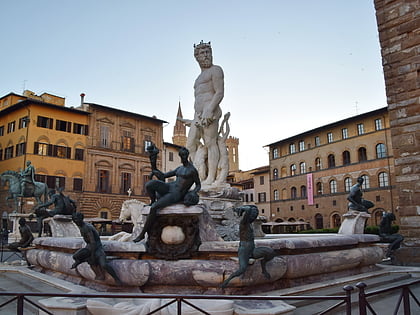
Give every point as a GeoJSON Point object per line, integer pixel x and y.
{"type": "Point", "coordinates": [336, 220]}
{"type": "Point", "coordinates": [319, 221]}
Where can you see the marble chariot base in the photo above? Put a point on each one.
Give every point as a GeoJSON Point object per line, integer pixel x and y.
{"type": "Point", "coordinates": [299, 260]}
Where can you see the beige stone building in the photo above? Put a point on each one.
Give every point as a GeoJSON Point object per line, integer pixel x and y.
{"type": "Point", "coordinates": [311, 173]}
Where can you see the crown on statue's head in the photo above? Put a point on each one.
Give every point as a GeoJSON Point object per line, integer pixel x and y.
{"type": "Point", "coordinates": [202, 45]}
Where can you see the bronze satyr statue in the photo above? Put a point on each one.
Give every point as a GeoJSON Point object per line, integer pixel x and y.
{"type": "Point", "coordinates": [356, 202]}
{"type": "Point", "coordinates": [247, 249]}
{"type": "Point", "coordinates": [93, 253]}
{"type": "Point", "coordinates": [25, 234]}
{"type": "Point", "coordinates": [385, 232]}
{"type": "Point", "coordinates": [165, 194]}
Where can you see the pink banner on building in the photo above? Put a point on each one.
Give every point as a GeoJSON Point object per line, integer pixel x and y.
{"type": "Point", "coordinates": [310, 189]}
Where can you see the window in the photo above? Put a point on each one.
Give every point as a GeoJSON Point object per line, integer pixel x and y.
{"type": "Point", "coordinates": [319, 221]}
{"type": "Point", "coordinates": [61, 152]}
{"type": "Point", "coordinates": [303, 191]}
{"type": "Point", "coordinates": [53, 182]}
{"type": "Point", "coordinates": [383, 179]}
{"type": "Point", "coordinates": [23, 122]}
{"type": "Point", "coordinates": [78, 155]}
{"type": "Point", "coordinates": [333, 186]}
{"type": "Point", "coordinates": [261, 180]}
{"type": "Point", "coordinates": [77, 184]}
{"type": "Point", "coordinates": [331, 161]}
{"type": "Point", "coordinates": [347, 183]}
{"type": "Point", "coordinates": [42, 148]}
{"type": "Point", "coordinates": [21, 149]}
{"type": "Point", "coordinates": [147, 143]}
{"type": "Point", "coordinates": [319, 188]}
{"type": "Point", "coordinates": [317, 141]}
{"type": "Point", "coordinates": [283, 172]}
{"type": "Point", "coordinates": [293, 193]}
{"type": "Point", "coordinates": [11, 126]}
{"type": "Point", "coordinates": [318, 165]}
{"type": "Point", "coordinates": [301, 145]}
{"type": "Point", "coordinates": [103, 181]}
{"type": "Point", "coordinates": [330, 137]}
{"type": "Point", "coordinates": [171, 156]}
{"type": "Point", "coordinates": [346, 158]}
{"type": "Point", "coordinates": [261, 197]}
{"type": "Point", "coordinates": [360, 129]}
{"type": "Point", "coordinates": [275, 173]}
{"type": "Point", "coordinates": [127, 141]}
{"type": "Point", "coordinates": [8, 153]}
{"type": "Point", "coordinates": [80, 129]}
{"type": "Point", "coordinates": [125, 182]}
{"type": "Point", "coordinates": [44, 122]}
{"type": "Point", "coordinates": [1, 130]}
{"type": "Point", "coordinates": [366, 183]}
{"type": "Point", "coordinates": [302, 167]}
{"type": "Point", "coordinates": [334, 202]}
{"type": "Point", "coordinates": [63, 125]}
{"type": "Point", "coordinates": [292, 170]}
{"type": "Point", "coordinates": [275, 153]}
{"type": "Point", "coordinates": [292, 148]}
{"type": "Point", "coordinates": [104, 140]}
{"type": "Point", "coordinates": [378, 124]}
{"type": "Point", "coordinates": [344, 133]}
{"type": "Point", "coordinates": [380, 151]}
{"type": "Point", "coordinates": [276, 194]}
{"type": "Point", "coordinates": [362, 154]}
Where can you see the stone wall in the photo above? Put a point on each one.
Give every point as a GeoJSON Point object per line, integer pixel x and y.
{"type": "Point", "coordinates": [399, 32]}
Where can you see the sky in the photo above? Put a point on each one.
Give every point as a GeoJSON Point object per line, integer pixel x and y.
{"type": "Point", "coordinates": [289, 66]}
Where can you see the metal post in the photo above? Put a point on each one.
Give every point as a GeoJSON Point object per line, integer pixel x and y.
{"type": "Point", "coordinates": [19, 309]}
{"type": "Point", "coordinates": [348, 289]}
{"type": "Point", "coordinates": [362, 298]}
{"type": "Point", "coordinates": [178, 305]}
{"type": "Point", "coordinates": [406, 299]}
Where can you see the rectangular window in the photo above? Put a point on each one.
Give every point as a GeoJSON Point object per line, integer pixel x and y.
{"type": "Point", "coordinates": [275, 153]}
{"type": "Point", "coordinates": [125, 182]}
{"type": "Point", "coordinates": [21, 149]}
{"type": "Point", "coordinates": [292, 148]}
{"type": "Point", "coordinates": [77, 184]}
{"type": "Point", "coordinates": [41, 148]}
{"type": "Point", "coordinates": [261, 180]}
{"type": "Point", "coordinates": [11, 126]}
{"type": "Point", "coordinates": [171, 156]}
{"type": "Point", "coordinates": [360, 129]}
{"type": "Point", "coordinates": [78, 155]}
{"type": "Point", "coordinates": [344, 133]}
{"type": "Point", "coordinates": [54, 182]}
{"type": "Point", "coordinates": [104, 142]}
{"type": "Point", "coordinates": [1, 130]}
{"type": "Point", "coordinates": [44, 122]}
{"type": "Point", "coordinates": [147, 143]}
{"type": "Point", "coordinates": [127, 142]}
{"type": "Point", "coordinates": [317, 141]}
{"type": "Point", "coordinates": [80, 129]}
{"type": "Point", "coordinates": [63, 125]}
{"type": "Point", "coordinates": [103, 181]}
{"type": "Point", "coordinates": [261, 197]}
{"type": "Point", "coordinates": [378, 124]}
{"type": "Point", "coordinates": [330, 137]}
{"type": "Point", "coordinates": [8, 153]}
{"type": "Point", "coordinates": [23, 122]}
{"type": "Point", "coordinates": [62, 152]}
{"type": "Point", "coordinates": [301, 145]}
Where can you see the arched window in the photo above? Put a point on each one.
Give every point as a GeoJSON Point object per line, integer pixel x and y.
{"type": "Point", "coordinates": [331, 161]}
{"type": "Point", "coordinates": [366, 182]}
{"type": "Point", "coordinates": [302, 167]}
{"type": "Point", "coordinates": [380, 151]}
{"type": "Point", "coordinates": [362, 154]}
{"type": "Point", "coordinates": [333, 186]}
{"type": "Point", "coordinates": [319, 188]}
{"type": "Point", "coordinates": [276, 194]}
{"type": "Point", "coordinates": [303, 191]}
{"type": "Point", "coordinates": [283, 172]}
{"type": "Point", "coordinates": [284, 194]}
{"type": "Point", "coordinates": [275, 173]}
{"type": "Point", "coordinates": [336, 220]}
{"type": "Point", "coordinates": [347, 183]}
{"type": "Point", "coordinates": [346, 158]}
{"type": "Point", "coordinates": [293, 192]}
{"type": "Point", "coordinates": [318, 165]}
{"type": "Point", "coordinates": [377, 215]}
{"type": "Point", "coordinates": [383, 179]}
{"type": "Point", "coordinates": [292, 170]}
{"type": "Point", "coordinates": [319, 221]}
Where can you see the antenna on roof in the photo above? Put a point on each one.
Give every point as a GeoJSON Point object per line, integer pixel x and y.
{"type": "Point", "coordinates": [24, 85]}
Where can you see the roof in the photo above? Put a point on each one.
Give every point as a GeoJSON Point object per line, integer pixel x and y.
{"type": "Point", "coordinates": [126, 112]}
{"type": "Point", "coordinates": [30, 101]}
{"type": "Point", "coordinates": [331, 125]}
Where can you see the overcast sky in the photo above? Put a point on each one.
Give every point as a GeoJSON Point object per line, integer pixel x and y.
{"type": "Point", "coordinates": [289, 66]}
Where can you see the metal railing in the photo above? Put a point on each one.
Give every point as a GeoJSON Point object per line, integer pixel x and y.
{"type": "Point", "coordinates": [343, 300]}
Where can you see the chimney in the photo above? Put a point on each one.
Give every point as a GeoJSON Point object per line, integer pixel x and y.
{"type": "Point", "coordinates": [82, 99]}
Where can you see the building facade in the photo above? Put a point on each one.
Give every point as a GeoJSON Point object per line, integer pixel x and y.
{"type": "Point", "coordinates": [311, 173]}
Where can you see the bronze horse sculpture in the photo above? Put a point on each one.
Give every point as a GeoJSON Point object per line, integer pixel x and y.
{"type": "Point", "coordinates": [13, 179]}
